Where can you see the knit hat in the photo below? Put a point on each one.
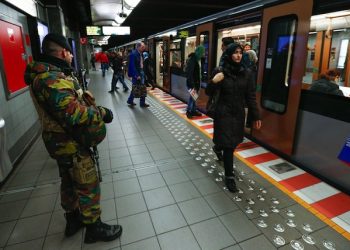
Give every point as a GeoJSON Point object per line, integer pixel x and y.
{"type": "Point", "coordinates": [58, 39]}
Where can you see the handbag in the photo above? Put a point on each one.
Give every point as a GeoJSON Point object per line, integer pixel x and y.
{"type": "Point", "coordinates": [139, 90]}
{"type": "Point", "coordinates": [213, 103]}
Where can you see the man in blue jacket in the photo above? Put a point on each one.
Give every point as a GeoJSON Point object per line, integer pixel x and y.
{"type": "Point", "coordinates": [135, 71]}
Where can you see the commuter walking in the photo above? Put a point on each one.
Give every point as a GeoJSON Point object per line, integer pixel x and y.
{"type": "Point", "coordinates": [118, 74]}
{"type": "Point", "coordinates": [236, 89]}
{"type": "Point", "coordinates": [104, 63]}
{"type": "Point", "coordinates": [193, 81]}
{"type": "Point", "coordinates": [93, 61]}
{"type": "Point", "coordinates": [71, 124]}
{"type": "Point", "coordinates": [135, 71]}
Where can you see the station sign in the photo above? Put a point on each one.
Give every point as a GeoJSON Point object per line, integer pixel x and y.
{"type": "Point", "coordinates": [107, 30]}
{"type": "Point", "coordinates": [183, 34]}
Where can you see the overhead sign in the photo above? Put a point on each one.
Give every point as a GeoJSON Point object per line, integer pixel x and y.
{"type": "Point", "coordinates": [114, 30]}
{"type": "Point", "coordinates": [94, 31]}
{"type": "Point", "coordinates": [107, 30]}
{"type": "Point", "coordinates": [183, 33]}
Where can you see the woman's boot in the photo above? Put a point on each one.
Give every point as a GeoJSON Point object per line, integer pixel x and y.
{"type": "Point", "coordinates": [231, 184]}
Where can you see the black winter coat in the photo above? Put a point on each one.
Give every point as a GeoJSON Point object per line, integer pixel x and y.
{"type": "Point", "coordinates": [236, 91]}
{"type": "Point", "coordinates": [193, 73]}
{"type": "Point", "coordinates": [327, 87]}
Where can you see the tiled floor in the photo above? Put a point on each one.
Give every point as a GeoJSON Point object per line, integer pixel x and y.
{"type": "Point", "coordinates": [162, 183]}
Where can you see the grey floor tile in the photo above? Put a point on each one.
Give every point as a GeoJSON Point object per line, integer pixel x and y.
{"type": "Point", "coordinates": [180, 239]}
{"type": "Point", "coordinates": [167, 218]}
{"type": "Point", "coordinates": [239, 226]}
{"type": "Point", "coordinates": [107, 190]}
{"type": "Point", "coordinates": [212, 235]}
{"type": "Point", "coordinates": [168, 166]}
{"type": "Point", "coordinates": [161, 155]}
{"type": "Point", "coordinates": [134, 142]}
{"type": "Point", "coordinates": [30, 228]}
{"type": "Point", "coordinates": [15, 196]}
{"type": "Point", "coordinates": [32, 245]}
{"type": "Point", "coordinates": [184, 191]}
{"type": "Point", "coordinates": [5, 231]}
{"type": "Point", "coordinates": [119, 152]}
{"type": "Point", "coordinates": [57, 223]}
{"type": "Point", "coordinates": [130, 204]}
{"type": "Point", "coordinates": [147, 170]}
{"type": "Point", "coordinates": [206, 186]}
{"type": "Point", "coordinates": [174, 176]}
{"type": "Point", "coordinates": [24, 179]}
{"type": "Point", "coordinates": [151, 181]}
{"type": "Point", "coordinates": [12, 210]}
{"type": "Point", "coordinates": [148, 244]}
{"type": "Point", "coordinates": [125, 187]}
{"type": "Point", "coordinates": [59, 241]}
{"type": "Point", "coordinates": [39, 205]}
{"type": "Point", "coordinates": [195, 172]}
{"type": "Point", "coordinates": [221, 203]}
{"type": "Point", "coordinates": [329, 234]}
{"type": "Point", "coordinates": [121, 162]}
{"type": "Point", "coordinates": [196, 210]}
{"type": "Point", "coordinates": [136, 227]}
{"type": "Point", "coordinates": [141, 158]}
{"type": "Point", "coordinates": [259, 242]}
{"type": "Point", "coordinates": [159, 197]}
{"type": "Point", "coordinates": [235, 247]}
{"type": "Point", "coordinates": [117, 144]}
{"type": "Point", "coordinates": [122, 175]}
{"type": "Point", "coordinates": [138, 149]}
{"type": "Point", "coordinates": [151, 139]}
{"type": "Point", "coordinates": [46, 190]}
{"type": "Point", "coordinates": [108, 211]}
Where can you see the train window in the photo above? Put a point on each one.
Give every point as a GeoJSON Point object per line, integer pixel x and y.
{"type": "Point", "coordinates": [204, 40]}
{"type": "Point", "coordinates": [190, 46]}
{"type": "Point", "coordinates": [278, 63]}
{"type": "Point", "coordinates": [175, 53]}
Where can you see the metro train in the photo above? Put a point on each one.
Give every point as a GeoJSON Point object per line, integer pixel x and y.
{"type": "Point", "coordinates": [295, 41]}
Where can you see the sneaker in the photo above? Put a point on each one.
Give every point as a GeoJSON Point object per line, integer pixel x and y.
{"type": "Point", "coordinates": [218, 153]}
{"type": "Point", "coordinates": [144, 105]}
{"type": "Point", "coordinates": [231, 184]}
{"type": "Point", "coordinates": [189, 115]}
{"type": "Point", "coordinates": [131, 103]}
{"type": "Point", "coordinates": [196, 113]}
{"type": "Point", "coordinates": [100, 231]}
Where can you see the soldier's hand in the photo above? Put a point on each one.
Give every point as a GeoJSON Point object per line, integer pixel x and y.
{"type": "Point", "coordinates": [107, 114]}
{"type": "Point", "coordinates": [89, 98]}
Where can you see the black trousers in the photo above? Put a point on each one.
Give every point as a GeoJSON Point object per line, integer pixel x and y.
{"type": "Point", "coordinates": [228, 159]}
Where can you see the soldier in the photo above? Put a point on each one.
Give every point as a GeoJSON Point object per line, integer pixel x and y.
{"type": "Point", "coordinates": [71, 124]}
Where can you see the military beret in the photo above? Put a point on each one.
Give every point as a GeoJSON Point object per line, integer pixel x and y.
{"type": "Point", "coordinates": [58, 39]}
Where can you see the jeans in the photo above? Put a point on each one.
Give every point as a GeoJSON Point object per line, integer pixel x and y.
{"type": "Point", "coordinates": [104, 67]}
{"type": "Point", "coordinates": [118, 77]}
{"type": "Point", "coordinates": [191, 105]}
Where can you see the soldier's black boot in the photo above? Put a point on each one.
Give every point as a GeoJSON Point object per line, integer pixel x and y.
{"type": "Point", "coordinates": [73, 223]}
{"type": "Point", "coordinates": [231, 184]}
{"type": "Point", "coordinates": [100, 231]}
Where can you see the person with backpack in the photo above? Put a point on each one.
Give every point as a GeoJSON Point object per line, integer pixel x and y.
{"type": "Point", "coordinates": [193, 81]}
{"type": "Point", "coordinates": [118, 74]}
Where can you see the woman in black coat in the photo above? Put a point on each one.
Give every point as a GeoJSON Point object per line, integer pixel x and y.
{"type": "Point", "coordinates": [236, 86]}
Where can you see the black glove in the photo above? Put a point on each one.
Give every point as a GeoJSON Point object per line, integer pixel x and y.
{"type": "Point", "coordinates": [106, 113]}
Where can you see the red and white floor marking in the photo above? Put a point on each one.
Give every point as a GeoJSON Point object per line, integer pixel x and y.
{"type": "Point", "coordinates": [319, 197]}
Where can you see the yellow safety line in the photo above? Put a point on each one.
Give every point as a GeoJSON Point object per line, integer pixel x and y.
{"type": "Point", "coordinates": [321, 216]}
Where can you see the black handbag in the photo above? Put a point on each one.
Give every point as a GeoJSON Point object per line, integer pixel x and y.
{"type": "Point", "coordinates": [213, 103]}
{"type": "Point", "coordinates": [139, 90]}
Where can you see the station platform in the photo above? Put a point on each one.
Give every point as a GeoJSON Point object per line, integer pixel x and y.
{"type": "Point", "coordinates": [164, 185]}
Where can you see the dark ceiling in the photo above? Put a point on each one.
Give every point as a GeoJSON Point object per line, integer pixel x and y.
{"type": "Point", "coordinates": [149, 16]}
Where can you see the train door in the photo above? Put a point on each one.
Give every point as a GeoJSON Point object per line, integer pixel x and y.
{"type": "Point", "coordinates": [166, 64]}
{"type": "Point", "coordinates": [284, 35]}
{"type": "Point", "coordinates": [13, 56]}
{"type": "Point", "coordinates": [159, 63]}
{"type": "Point", "coordinates": [204, 34]}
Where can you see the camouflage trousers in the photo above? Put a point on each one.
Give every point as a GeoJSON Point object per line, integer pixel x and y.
{"type": "Point", "coordinates": [80, 187]}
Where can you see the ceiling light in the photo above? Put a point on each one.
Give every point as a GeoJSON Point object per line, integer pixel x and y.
{"type": "Point", "coordinates": [132, 3]}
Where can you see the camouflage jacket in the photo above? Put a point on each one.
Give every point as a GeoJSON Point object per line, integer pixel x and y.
{"type": "Point", "coordinates": [69, 124]}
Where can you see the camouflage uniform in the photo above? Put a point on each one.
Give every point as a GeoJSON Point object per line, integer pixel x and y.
{"type": "Point", "coordinates": [64, 114]}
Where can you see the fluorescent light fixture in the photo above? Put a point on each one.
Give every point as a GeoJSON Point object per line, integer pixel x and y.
{"type": "Point", "coordinates": [114, 30]}
{"type": "Point", "coordinates": [28, 6]}
{"type": "Point", "coordinates": [132, 3]}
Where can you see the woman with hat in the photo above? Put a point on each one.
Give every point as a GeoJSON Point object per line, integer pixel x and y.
{"type": "Point", "coordinates": [236, 86]}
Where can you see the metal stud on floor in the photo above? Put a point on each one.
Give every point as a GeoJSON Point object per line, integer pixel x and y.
{"type": "Point", "coordinates": [308, 239]}
{"type": "Point", "coordinates": [297, 245]}
{"type": "Point", "coordinates": [263, 213]}
{"type": "Point", "coordinates": [307, 227]}
{"type": "Point", "coordinates": [279, 240]}
{"type": "Point", "coordinates": [279, 228]}
{"type": "Point", "coordinates": [328, 244]}
{"type": "Point", "coordinates": [290, 213]}
{"type": "Point", "coordinates": [262, 224]}
{"type": "Point", "coordinates": [291, 223]}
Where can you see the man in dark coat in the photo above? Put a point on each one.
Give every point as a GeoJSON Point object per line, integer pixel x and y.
{"type": "Point", "coordinates": [236, 87]}
{"type": "Point", "coordinates": [193, 71]}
